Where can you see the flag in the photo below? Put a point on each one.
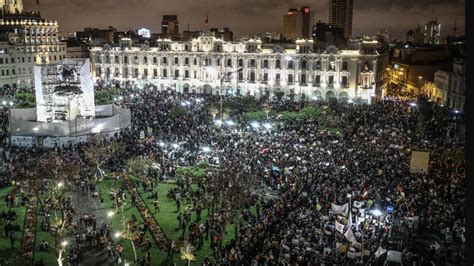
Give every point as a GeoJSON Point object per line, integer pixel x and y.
{"type": "Point", "coordinates": [340, 208]}
{"type": "Point", "coordinates": [206, 21]}
{"type": "Point", "coordinates": [38, 2]}
{"type": "Point", "coordinates": [380, 251]}
{"type": "Point", "coordinates": [339, 227]}
{"type": "Point", "coordinates": [350, 236]}
{"type": "Point", "coordinates": [358, 204]}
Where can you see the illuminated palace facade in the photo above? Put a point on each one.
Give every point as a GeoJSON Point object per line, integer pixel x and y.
{"type": "Point", "coordinates": [26, 39]}
{"type": "Point", "coordinates": [208, 65]}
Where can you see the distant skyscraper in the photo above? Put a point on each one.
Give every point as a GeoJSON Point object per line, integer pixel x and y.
{"type": "Point", "coordinates": [340, 15]}
{"type": "Point", "coordinates": [433, 32]}
{"type": "Point", "coordinates": [298, 24]}
{"type": "Point", "coordinates": [170, 25]}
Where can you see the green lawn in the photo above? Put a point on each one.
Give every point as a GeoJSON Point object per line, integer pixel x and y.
{"type": "Point", "coordinates": [158, 257]}
{"type": "Point", "coordinates": [9, 256]}
{"type": "Point", "coordinates": [166, 218]}
{"type": "Point", "coordinates": [49, 257]}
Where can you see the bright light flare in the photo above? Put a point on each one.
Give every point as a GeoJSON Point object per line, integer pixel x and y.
{"type": "Point", "coordinates": [267, 126]}
{"type": "Point", "coordinates": [255, 124]}
{"type": "Point", "coordinates": [376, 212]}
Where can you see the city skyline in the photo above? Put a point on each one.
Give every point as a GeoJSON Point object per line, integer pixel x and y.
{"type": "Point", "coordinates": [261, 15]}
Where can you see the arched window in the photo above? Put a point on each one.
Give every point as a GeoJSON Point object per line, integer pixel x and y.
{"type": "Point", "coordinates": [229, 62]}
{"type": "Point", "coordinates": [290, 64]}
{"type": "Point", "coordinates": [175, 60]}
{"type": "Point", "coordinates": [186, 61]}
{"type": "Point", "coordinates": [278, 63]}
{"type": "Point", "coordinates": [303, 64]}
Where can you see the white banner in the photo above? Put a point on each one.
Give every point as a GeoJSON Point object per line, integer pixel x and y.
{"type": "Point", "coordinates": [350, 236]}
{"type": "Point", "coordinates": [340, 208]}
{"type": "Point", "coordinates": [380, 251]}
{"type": "Point", "coordinates": [339, 227]}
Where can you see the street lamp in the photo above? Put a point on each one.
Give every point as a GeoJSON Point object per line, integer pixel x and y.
{"type": "Point", "coordinates": [230, 122]}
{"type": "Point", "coordinates": [110, 214]}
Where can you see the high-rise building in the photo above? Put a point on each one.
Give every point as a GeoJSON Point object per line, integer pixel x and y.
{"type": "Point", "coordinates": [340, 15]}
{"type": "Point", "coordinates": [26, 39]}
{"type": "Point", "coordinates": [298, 24]}
{"type": "Point", "coordinates": [170, 25]}
{"type": "Point", "coordinates": [325, 35]}
{"type": "Point", "coordinates": [416, 37]}
{"type": "Point", "coordinates": [433, 32]}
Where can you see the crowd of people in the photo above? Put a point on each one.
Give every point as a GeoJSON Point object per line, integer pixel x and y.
{"type": "Point", "coordinates": [309, 169]}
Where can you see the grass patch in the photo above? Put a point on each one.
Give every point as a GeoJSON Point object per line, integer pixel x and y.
{"type": "Point", "coordinates": [10, 256]}
{"type": "Point", "coordinates": [158, 257]}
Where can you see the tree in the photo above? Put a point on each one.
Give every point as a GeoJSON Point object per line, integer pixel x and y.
{"type": "Point", "coordinates": [98, 155]}
{"type": "Point", "coordinates": [140, 167]}
{"type": "Point", "coordinates": [179, 111]}
{"type": "Point", "coordinates": [254, 116]}
{"type": "Point", "coordinates": [279, 94]}
{"type": "Point", "coordinates": [25, 100]}
{"type": "Point", "coordinates": [59, 171]}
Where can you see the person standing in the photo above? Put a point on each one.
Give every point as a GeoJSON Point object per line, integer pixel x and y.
{"type": "Point", "coordinates": [11, 236]}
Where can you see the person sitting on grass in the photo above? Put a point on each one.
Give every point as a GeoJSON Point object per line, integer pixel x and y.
{"type": "Point", "coordinates": [44, 246]}
{"type": "Point", "coordinates": [147, 245]}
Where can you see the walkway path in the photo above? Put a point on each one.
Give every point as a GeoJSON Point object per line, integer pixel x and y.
{"type": "Point", "coordinates": [84, 202]}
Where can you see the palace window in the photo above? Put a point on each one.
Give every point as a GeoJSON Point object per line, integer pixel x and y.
{"type": "Point", "coordinates": [345, 81]}
{"type": "Point", "coordinates": [290, 64]}
{"type": "Point", "coordinates": [317, 65]}
{"type": "Point", "coordinates": [344, 66]}
{"type": "Point", "coordinates": [278, 64]}
{"type": "Point", "coordinates": [331, 80]}
{"type": "Point", "coordinates": [252, 63]}
{"type": "Point", "coordinates": [303, 79]}
{"type": "Point", "coordinates": [317, 80]}
{"type": "Point", "coordinates": [290, 79]}
{"type": "Point", "coordinates": [303, 64]}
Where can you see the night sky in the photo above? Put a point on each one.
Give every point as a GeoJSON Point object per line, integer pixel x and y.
{"type": "Point", "coordinates": [246, 16]}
